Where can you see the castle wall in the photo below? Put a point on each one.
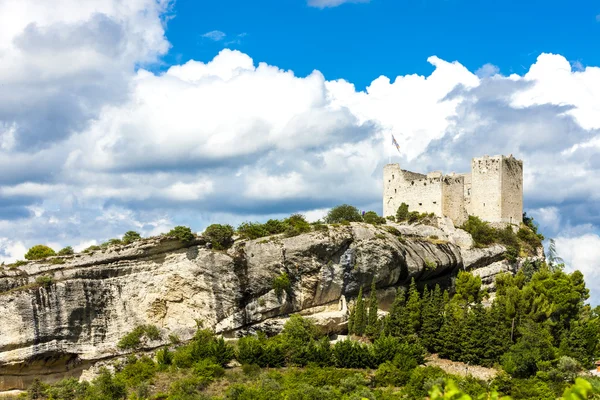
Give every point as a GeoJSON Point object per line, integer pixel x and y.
{"type": "Point", "coordinates": [467, 193]}
{"type": "Point", "coordinates": [493, 191]}
{"type": "Point", "coordinates": [512, 191]}
{"type": "Point", "coordinates": [453, 199]}
{"type": "Point", "coordinates": [486, 188]}
{"type": "Point", "coordinates": [420, 192]}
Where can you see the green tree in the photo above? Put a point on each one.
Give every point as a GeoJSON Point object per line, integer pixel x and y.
{"type": "Point", "coordinates": [402, 213]}
{"type": "Point", "coordinates": [360, 315]}
{"type": "Point", "coordinates": [220, 236]}
{"type": "Point", "coordinates": [371, 217]}
{"type": "Point", "coordinates": [413, 306]}
{"type": "Point", "coordinates": [534, 346]}
{"type": "Point", "coordinates": [397, 322]}
{"type": "Point", "coordinates": [131, 236]}
{"type": "Point", "coordinates": [39, 252]}
{"type": "Point", "coordinates": [373, 326]}
{"type": "Point", "coordinates": [432, 317]}
{"type": "Point", "coordinates": [67, 251]}
{"type": "Point", "coordinates": [468, 288]}
{"type": "Point", "coordinates": [185, 234]}
{"type": "Point", "coordinates": [343, 213]}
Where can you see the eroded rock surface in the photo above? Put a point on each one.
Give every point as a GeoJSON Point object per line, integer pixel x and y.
{"type": "Point", "coordinates": [96, 299]}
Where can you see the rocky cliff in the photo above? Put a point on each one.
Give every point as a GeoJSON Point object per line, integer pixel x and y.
{"type": "Point", "coordinates": [58, 327]}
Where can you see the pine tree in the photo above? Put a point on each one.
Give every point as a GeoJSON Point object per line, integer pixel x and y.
{"type": "Point", "coordinates": [397, 323]}
{"type": "Point", "coordinates": [452, 332]}
{"type": "Point", "coordinates": [413, 306]}
{"type": "Point", "coordinates": [429, 320]}
{"type": "Point", "coordinates": [373, 323]}
{"type": "Point", "coordinates": [360, 317]}
{"type": "Point", "coordinates": [439, 301]}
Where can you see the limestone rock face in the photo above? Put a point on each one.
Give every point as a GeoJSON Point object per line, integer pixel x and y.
{"type": "Point", "coordinates": [95, 299]}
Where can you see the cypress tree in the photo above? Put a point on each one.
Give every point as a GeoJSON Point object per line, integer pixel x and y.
{"type": "Point", "coordinates": [429, 320]}
{"type": "Point", "coordinates": [373, 322]}
{"type": "Point", "coordinates": [360, 317]}
{"type": "Point", "coordinates": [413, 306]}
{"type": "Point", "coordinates": [351, 320]}
{"type": "Point", "coordinates": [397, 320]}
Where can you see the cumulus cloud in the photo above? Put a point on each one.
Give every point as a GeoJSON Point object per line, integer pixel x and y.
{"type": "Point", "coordinates": [332, 3]}
{"type": "Point", "coordinates": [583, 253]}
{"type": "Point", "coordinates": [234, 139]}
{"type": "Point", "coordinates": [63, 60]}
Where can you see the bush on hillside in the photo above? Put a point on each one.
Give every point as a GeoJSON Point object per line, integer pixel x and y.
{"type": "Point", "coordinates": [44, 281]}
{"type": "Point", "coordinates": [282, 284]}
{"type": "Point", "coordinates": [402, 213]}
{"type": "Point", "coordinates": [483, 234]}
{"type": "Point", "coordinates": [39, 252]}
{"type": "Point", "coordinates": [135, 338]}
{"type": "Point", "coordinates": [371, 217]}
{"type": "Point", "coordinates": [343, 213]}
{"type": "Point", "coordinates": [67, 251]}
{"type": "Point", "coordinates": [296, 224]}
{"type": "Point", "coordinates": [185, 234]}
{"type": "Point", "coordinates": [130, 237]}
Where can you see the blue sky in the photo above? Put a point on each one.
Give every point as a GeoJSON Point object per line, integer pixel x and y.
{"type": "Point", "coordinates": [118, 115]}
{"type": "Point", "coordinates": [359, 42]}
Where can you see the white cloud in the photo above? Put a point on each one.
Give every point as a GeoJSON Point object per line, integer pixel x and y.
{"type": "Point", "coordinates": [583, 253]}
{"type": "Point", "coordinates": [217, 36]}
{"type": "Point", "coordinates": [11, 251]}
{"type": "Point", "coordinates": [487, 70]}
{"type": "Point", "coordinates": [332, 3]}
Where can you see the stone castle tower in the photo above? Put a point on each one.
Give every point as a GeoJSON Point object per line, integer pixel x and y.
{"type": "Point", "coordinates": [493, 191]}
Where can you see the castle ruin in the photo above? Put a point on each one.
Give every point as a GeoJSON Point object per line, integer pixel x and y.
{"type": "Point", "coordinates": [493, 191]}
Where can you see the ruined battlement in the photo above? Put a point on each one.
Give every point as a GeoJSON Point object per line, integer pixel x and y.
{"type": "Point", "coordinates": [492, 191]}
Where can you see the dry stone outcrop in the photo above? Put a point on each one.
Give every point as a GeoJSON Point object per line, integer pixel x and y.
{"type": "Point", "coordinates": [60, 328]}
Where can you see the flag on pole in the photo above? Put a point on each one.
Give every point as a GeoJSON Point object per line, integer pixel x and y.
{"type": "Point", "coordinates": [395, 143]}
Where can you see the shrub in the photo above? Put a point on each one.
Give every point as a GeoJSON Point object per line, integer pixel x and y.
{"type": "Point", "coordinates": [483, 234]}
{"type": "Point", "coordinates": [164, 357]}
{"type": "Point", "coordinates": [413, 216]}
{"type": "Point", "coordinates": [111, 242]}
{"type": "Point", "coordinates": [430, 265]}
{"type": "Point", "coordinates": [185, 234]}
{"type": "Point", "coordinates": [282, 284]}
{"type": "Point", "coordinates": [220, 236]}
{"type": "Point", "coordinates": [67, 251]}
{"type": "Point", "coordinates": [390, 375]}
{"type": "Point", "coordinates": [296, 225]}
{"type": "Point", "coordinates": [134, 338]}
{"type": "Point", "coordinates": [92, 248]}
{"type": "Point", "coordinates": [371, 217]}
{"type": "Point", "coordinates": [106, 387]}
{"type": "Point", "coordinates": [38, 252]}
{"type": "Point", "coordinates": [320, 227]}
{"type": "Point", "coordinates": [130, 237]}
{"type": "Point", "coordinates": [275, 226]}
{"type": "Point", "coordinates": [44, 281]}
{"type": "Point", "coordinates": [402, 212]}
{"type": "Point", "coordinates": [137, 370]}
{"type": "Point", "coordinates": [343, 213]}
{"type": "Point", "coordinates": [252, 230]}
{"type": "Point", "coordinates": [17, 263]}
{"type": "Point", "coordinates": [393, 231]}
{"type": "Point", "coordinates": [352, 354]}
{"type": "Point", "coordinates": [530, 237]}
{"type": "Point", "coordinates": [188, 388]}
